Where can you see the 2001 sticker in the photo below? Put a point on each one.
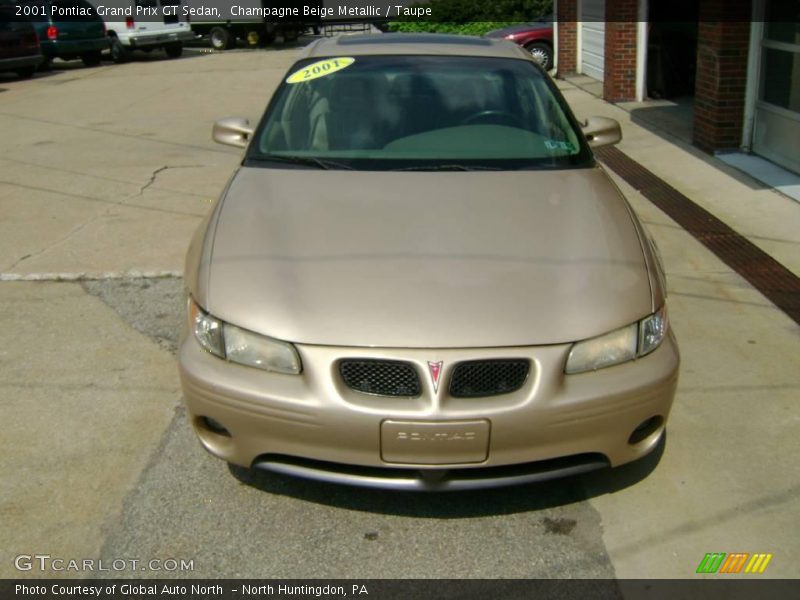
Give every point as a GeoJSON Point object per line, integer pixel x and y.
{"type": "Point", "coordinates": [321, 68]}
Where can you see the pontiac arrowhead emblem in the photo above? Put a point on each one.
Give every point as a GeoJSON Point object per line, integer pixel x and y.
{"type": "Point", "coordinates": [436, 370]}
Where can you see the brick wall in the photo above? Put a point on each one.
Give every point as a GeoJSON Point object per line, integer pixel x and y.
{"type": "Point", "coordinates": [721, 74]}
{"type": "Point", "coordinates": [619, 83]}
{"type": "Point", "coordinates": [723, 43]}
{"type": "Point", "coordinates": [567, 37]}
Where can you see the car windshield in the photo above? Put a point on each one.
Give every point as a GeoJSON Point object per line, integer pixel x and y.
{"type": "Point", "coordinates": [417, 113]}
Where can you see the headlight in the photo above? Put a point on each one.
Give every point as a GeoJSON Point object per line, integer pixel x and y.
{"type": "Point", "coordinates": [652, 331]}
{"type": "Point", "coordinates": [242, 346]}
{"type": "Point", "coordinates": [247, 348]}
{"type": "Point", "coordinates": [618, 346]}
{"type": "Point", "coordinates": [609, 349]}
{"type": "Point", "coordinates": [207, 330]}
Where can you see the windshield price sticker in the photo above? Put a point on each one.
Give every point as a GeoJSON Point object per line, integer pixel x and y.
{"type": "Point", "coordinates": [557, 145]}
{"type": "Point", "coordinates": [319, 69]}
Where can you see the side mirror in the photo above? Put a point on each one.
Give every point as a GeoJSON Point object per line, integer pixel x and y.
{"type": "Point", "coordinates": [601, 131]}
{"type": "Point", "coordinates": [233, 131]}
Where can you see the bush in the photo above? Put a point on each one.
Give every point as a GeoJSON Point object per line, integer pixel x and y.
{"type": "Point", "coordinates": [466, 11]}
{"type": "Point", "coordinates": [472, 28]}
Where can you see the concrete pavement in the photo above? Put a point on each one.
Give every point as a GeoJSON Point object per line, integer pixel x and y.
{"type": "Point", "coordinates": [81, 418]}
{"type": "Point", "coordinates": [761, 214]}
{"type": "Point", "coordinates": [109, 170]}
{"type": "Point", "coordinates": [722, 482]}
{"type": "Point", "coordinates": [103, 172]}
{"type": "Point", "coordinates": [113, 153]}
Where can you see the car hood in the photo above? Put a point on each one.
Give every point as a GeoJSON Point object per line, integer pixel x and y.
{"type": "Point", "coordinates": [425, 259]}
{"type": "Point", "coordinates": [501, 33]}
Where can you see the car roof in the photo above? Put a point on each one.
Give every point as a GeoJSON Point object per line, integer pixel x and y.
{"type": "Point", "coordinates": [425, 44]}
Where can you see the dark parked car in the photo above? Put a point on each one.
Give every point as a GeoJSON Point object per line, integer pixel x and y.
{"type": "Point", "coordinates": [536, 38]}
{"type": "Point", "coordinates": [68, 29]}
{"type": "Point", "coordinates": [19, 45]}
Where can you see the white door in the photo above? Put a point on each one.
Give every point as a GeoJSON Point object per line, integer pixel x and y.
{"type": "Point", "coordinates": [592, 15]}
{"type": "Point", "coordinates": [776, 134]}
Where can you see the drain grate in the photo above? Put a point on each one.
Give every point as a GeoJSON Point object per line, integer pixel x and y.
{"type": "Point", "coordinates": [767, 275]}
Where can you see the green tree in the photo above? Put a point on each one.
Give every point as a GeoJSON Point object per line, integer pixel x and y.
{"type": "Point", "coordinates": [465, 11]}
{"type": "Point", "coordinates": [473, 17]}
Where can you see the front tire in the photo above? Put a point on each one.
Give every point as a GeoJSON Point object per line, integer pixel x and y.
{"type": "Point", "coordinates": [541, 53]}
{"type": "Point", "coordinates": [119, 53]}
{"type": "Point", "coordinates": [92, 59]}
{"type": "Point", "coordinates": [221, 38]}
{"type": "Point", "coordinates": [174, 50]}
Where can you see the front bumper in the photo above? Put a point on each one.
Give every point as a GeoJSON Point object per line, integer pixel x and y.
{"type": "Point", "coordinates": [156, 38]}
{"type": "Point", "coordinates": [313, 425]}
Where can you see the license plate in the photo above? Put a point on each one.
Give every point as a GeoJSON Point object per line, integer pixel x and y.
{"type": "Point", "coordinates": [435, 443]}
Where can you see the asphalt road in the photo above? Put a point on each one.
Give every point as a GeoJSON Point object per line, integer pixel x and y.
{"type": "Point", "coordinates": [188, 504]}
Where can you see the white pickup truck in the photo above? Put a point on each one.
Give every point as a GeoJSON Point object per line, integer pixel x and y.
{"type": "Point", "coordinates": [144, 25]}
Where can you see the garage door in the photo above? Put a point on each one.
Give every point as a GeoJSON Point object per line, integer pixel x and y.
{"type": "Point", "coordinates": [593, 37]}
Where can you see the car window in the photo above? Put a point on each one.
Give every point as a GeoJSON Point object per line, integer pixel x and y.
{"type": "Point", "coordinates": [390, 112]}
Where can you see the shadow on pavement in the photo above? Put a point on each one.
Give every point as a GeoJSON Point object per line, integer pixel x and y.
{"type": "Point", "coordinates": [456, 505]}
{"type": "Point", "coordinates": [672, 117]}
{"type": "Point", "coordinates": [204, 45]}
{"type": "Point", "coordinates": [140, 56]}
{"type": "Point", "coordinates": [673, 121]}
{"type": "Point", "coordinates": [10, 78]}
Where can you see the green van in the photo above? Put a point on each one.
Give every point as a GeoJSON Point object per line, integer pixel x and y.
{"type": "Point", "coordinates": [67, 29]}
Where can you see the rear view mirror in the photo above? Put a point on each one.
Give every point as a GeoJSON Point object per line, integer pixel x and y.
{"type": "Point", "coordinates": [233, 131]}
{"type": "Point", "coordinates": [602, 131]}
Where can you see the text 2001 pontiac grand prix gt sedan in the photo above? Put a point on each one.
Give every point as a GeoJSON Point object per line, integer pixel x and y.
{"type": "Point", "coordinates": [419, 278]}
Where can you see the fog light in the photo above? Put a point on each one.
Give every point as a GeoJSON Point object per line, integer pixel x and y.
{"type": "Point", "coordinates": [645, 429]}
{"type": "Point", "coordinates": [215, 426]}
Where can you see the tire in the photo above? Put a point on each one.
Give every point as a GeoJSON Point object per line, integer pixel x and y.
{"type": "Point", "coordinates": [92, 59]}
{"type": "Point", "coordinates": [221, 38]}
{"type": "Point", "coordinates": [26, 73]}
{"type": "Point", "coordinates": [119, 53]}
{"type": "Point", "coordinates": [174, 50]}
{"type": "Point", "coordinates": [46, 64]}
{"type": "Point", "coordinates": [542, 53]}
{"type": "Point", "coordinates": [290, 35]}
{"type": "Point", "coordinates": [267, 37]}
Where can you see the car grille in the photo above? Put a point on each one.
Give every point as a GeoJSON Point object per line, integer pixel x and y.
{"type": "Point", "coordinates": [380, 377]}
{"type": "Point", "coordinates": [488, 377]}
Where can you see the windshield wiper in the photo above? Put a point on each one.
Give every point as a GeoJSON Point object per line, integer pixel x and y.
{"type": "Point", "coordinates": [310, 161]}
{"type": "Point", "coordinates": [453, 167]}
